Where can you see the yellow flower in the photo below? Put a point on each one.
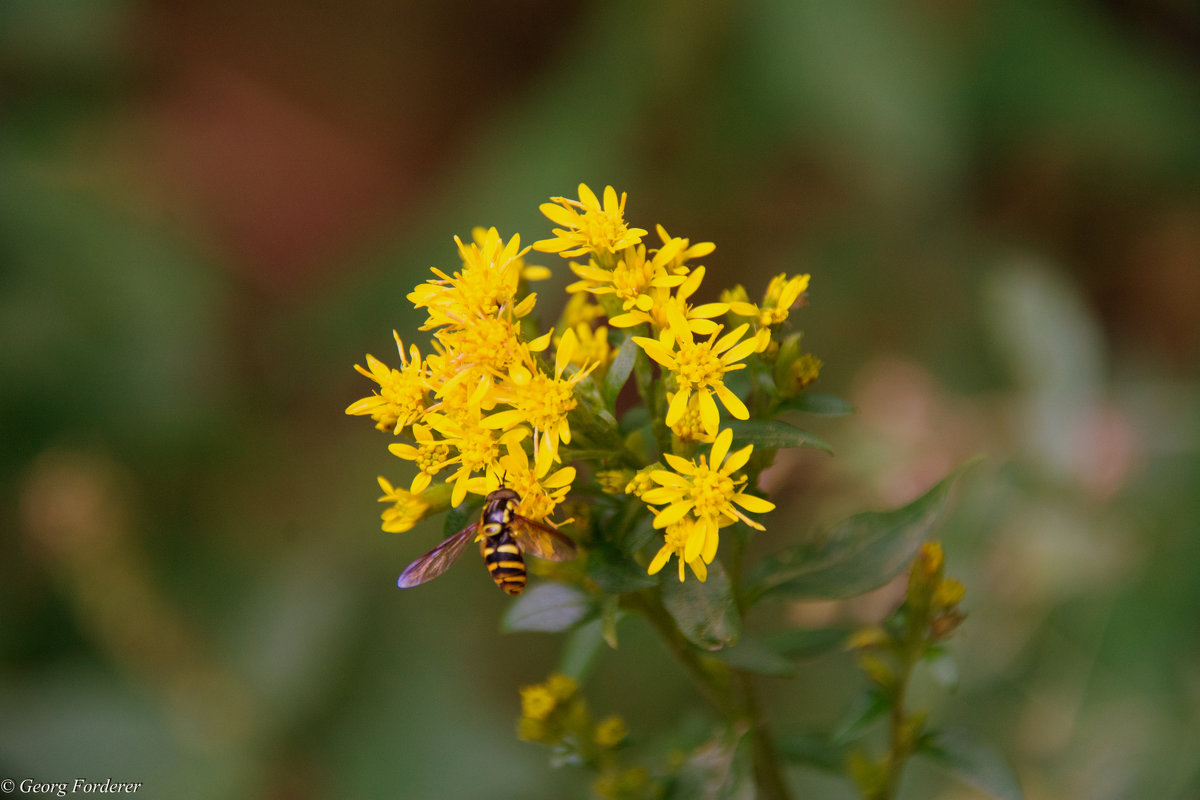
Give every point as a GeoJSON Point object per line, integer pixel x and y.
{"type": "Point", "coordinates": [542, 401]}
{"type": "Point", "coordinates": [540, 490]}
{"type": "Point", "coordinates": [477, 445]}
{"type": "Point", "coordinates": [782, 293]}
{"type": "Point", "coordinates": [610, 731]}
{"type": "Point", "coordinates": [640, 483]}
{"type": "Point", "coordinates": [406, 511]}
{"type": "Point", "coordinates": [400, 400]}
{"type": "Point", "coordinates": [588, 227]}
{"type": "Point", "coordinates": [537, 702]}
{"type": "Point", "coordinates": [528, 272]}
{"type": "Point", "coordinates": [487, 283]}
{"type": "Point", "coordinates": [678, 535]}
{"type": "Point", "coordinates": [430, 456]}
{"type": "Point", "coordinates": [562, 687]}
{"type": "Point", "coordinates": [683, 250]}
{"type": "Point", "coordinates": [804, 370]}
{"type": "Point", "coordinates": [659, 306]}
{"type": "Point", "coordinates": [708, 492]}
{"type": "Point", "coordinates": [689, 427]}
{"type": "Point", "coordinates": [631, 279]}
{"type": "Point", "coordinates": [614, 481]}
{"type": "Point", "coordinates": [700, 368]}
{"type": "Point", "coordinates": [591, 350]}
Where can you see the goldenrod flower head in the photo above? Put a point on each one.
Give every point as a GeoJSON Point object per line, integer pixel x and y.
{"type": "Point", "coordinates": [610, 731]}
{"type": "Point", "coordinates": [948, 593]}
{"type": "Point", "coordinates": [614, 481]}
{"type": "Point", "coordinates": [641, 483]}
{"type": "Point", "coordinates": [581, 309]}
{"type": "Point", "coordinates": [430, 456]}
{"type": "Point", "coordinates": [631, 279]}
{"type": "Point", "coordinates": [782, 293]}
{"type": "Point", "coordinates": [487, 283]}
{"type": "Point", "coordinates": [539, 489]}
{"type": "Point", "coordinates": [591, 350]}
{"type": "Point", "coordinates": [587, 226]}
{"type": "Point", "coordinates": [804, 370]}
{"type": "Point", "coordinates": [400, 400]}
{"type": "Point", "coordinates": [660, 305]}
{"type": "Point", "coordinates": [406, 511]}
{"type": "Point", "coordinates": [689, 427]}
{"type": "Point", "coordinates": [700, 367]}
{"type": "Point", "coordinates": [529, 272]}
{"type": "Point", "coordinates": [542, 401]}
{"type": "Point", "coordinates": [492, 343]}
{"type": "Point", "coordinates": [681, 251]}
{"type": "Point", "coordinates": [679, 535]}
{"type": "Point", "coordinates": [477, 445]}
{"type": "Point", "coordinates": [537, 702]}
{"type": "Point", "coordinates": [561, 686]}
{"type": "Point", "coordinates": [707, 491]}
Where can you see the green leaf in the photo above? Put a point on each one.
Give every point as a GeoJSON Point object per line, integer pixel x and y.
{"type": "Point", "coordinates": [857, 555]}
{"type": "Point", "coordinates": [808, 644]}
{"type": "Point", "coordinates": [864, 710]}
{"type": "Point", "coordinates": [704, 612]}
{"type": "Point", "coordinates": [619, 371]}
{"type": "Point", "coordinates": [461, 516]}
{"type": "Point", "coordinates": [827, 405]}
{"type": "Point", "coordinates": [581, 648]}
{"type": "Point", "coordinates": [547, 607]}
{"type": "Point", "coordinates": [753, 655]}
{"type": "Point", "coordinates": [974, 762]}
{"type": "Point", "coordinates": [814, 750]}
{"type": "Point", "coordinates": [615, 572]}
{"type": "Point", "coordinates": [773, 435]}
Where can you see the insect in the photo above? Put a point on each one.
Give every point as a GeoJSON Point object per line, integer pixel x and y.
{"type": "Point", "coordinates": [503, 534]}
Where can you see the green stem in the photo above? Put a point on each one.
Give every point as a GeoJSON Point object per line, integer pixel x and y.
{"type": "Point", "coordinates": [767, 773]}
{"type": "Point", "coordinates": [900, 744]}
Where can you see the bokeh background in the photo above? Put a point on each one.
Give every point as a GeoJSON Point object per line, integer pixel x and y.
{"type": "Point", "coordinates": [210, 211]}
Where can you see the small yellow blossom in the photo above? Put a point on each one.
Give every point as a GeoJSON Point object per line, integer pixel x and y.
{"type": "Point", "coordinates": [477, 445]}
{"type": "Point", "coordinates": [537, 701]}
{"type": "Point", "coordinates": [528, 272]}
{"type": "Point", "coordinates": [614, 481]}
{"type": "Point", "coordinates": [487, 283]}
{"type": "Point", "coordinates": [539, 400]}
{"type": "Point", "coordinates": [707, 491]}
{"type": "Point", "coordinates": [689, 427]}
{"type": "Point", "coordinates": [562, 687]}
{"type": "Point", "coordinates": [400, 400]}
{"type": "Point", "coordinates": [588, 227]}
{"type": "Point", "coordinates": [641, 483]}
{"type": "Point", "coordinates": [804, 370]}
{"type": "Point", "coordinates": [430, 456]}
{"type": "Point", "coordinates": [700, 367]}
{"type": "Point", "coordinates": [631, 279]}
{"type": "Point", "coordinates": [948, 593]}
{"type": "Point", "coordinates": [782, 293]}
{"type": "Point", "coordinates": [610, 731]}
{"type": "Point", "coordinates": [660, 305]}
{"type": "Point", "coordinates": [406, 511]}
{"type": "Point", "coordinates": [679, 535]}
{"type": "Point", "coordinates": [540, 489]}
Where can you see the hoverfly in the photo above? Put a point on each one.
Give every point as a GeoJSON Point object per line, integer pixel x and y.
{"type": "Point", "coordinates": [503, 535]}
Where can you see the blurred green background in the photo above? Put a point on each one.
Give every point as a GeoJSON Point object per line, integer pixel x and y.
{"type": "Point", "coordinates": [209, 212]}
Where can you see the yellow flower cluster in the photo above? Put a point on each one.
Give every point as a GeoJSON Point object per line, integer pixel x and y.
{"type": "Point", "coordinates": [468, 405]}
{"type": "Point", "coordinates": [636, 286]}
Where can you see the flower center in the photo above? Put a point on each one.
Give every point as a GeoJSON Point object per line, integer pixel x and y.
{"type": "Point", "coordinates": [711, 492]}
{"type": "Point", "coordinates": [698, 366]}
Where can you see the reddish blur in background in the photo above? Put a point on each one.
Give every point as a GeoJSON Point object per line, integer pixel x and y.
{"type": "Point", "coordinates": [209, 212]}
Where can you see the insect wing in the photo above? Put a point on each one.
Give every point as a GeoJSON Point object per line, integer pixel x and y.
{"type": "Point", "coordinates": [437, 560]}
{"type": "Point", "coordinates": [541, 540]}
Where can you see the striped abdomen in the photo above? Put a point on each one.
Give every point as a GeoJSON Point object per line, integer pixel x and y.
{"type": "Point", "coordinates": [503, 558]}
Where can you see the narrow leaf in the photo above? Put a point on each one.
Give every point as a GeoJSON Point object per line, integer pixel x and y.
{"type": "Point", "coordinates": [580, 650]}
{"type": "Point", "coordinates": [705, 612]}
{"type": "Point", "coordinates": [773, 435]}
{"type": "Point", "coordinates": [974, 762]}
{"type": "Point", "coordinates": [827, 405]}
{"type": "Point", "coordinates": [752, 655]}
{"type": "Point", "coordinates": [547, 607]}
{"type": "Point", "coordinates": [619, 371]}
{"type": "Point", "coordinates": [814, 750]}
{"type": "Point", "coordinates": [801, 645]}
{"type": "Point", "coordinates": [857, 555]}
{"type": "Point", "coordinates": [864, 710]}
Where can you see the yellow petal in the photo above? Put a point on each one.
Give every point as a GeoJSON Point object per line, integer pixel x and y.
{"type": "Point", "coordinates": [732, 402]}
{"type": "Point", "coordinates": [566, 349]}
{"type": "Point", "coordinates": [672, 513]}
{"type": "Point", "coordinates": [564, 477]}
{"type": "Point", "coordinates": [558, 215]}
{"type": "Point", "coordinates": [420, 483]}
{"type": "Point", "coordinates": [401, 450]}
{"type": "Point", "coordinates": [727, 341]}
{"type": "Point", "coordinates": [502, 420]}
{"type": "Point", "coordinates": [627, 320]}
{"type": "Point", "coordinates": [678, 406]}
{"type": "Point", "coordinates": [709, 310]}
{"type": "Point", "coordinates": [737, 460]}
{"type": "Point", "coordinates": [720, 448]}
{"type": "Point", "coordinates": [695, 542]}
{"type": "Point", "coordinates": [755, 505]}
{"type": "Point", "coordinates": [657, 351]}
{"type": "Point", "coordinates": [710, 418]}
{"type": "Point", "coordinates": [660, 560]}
